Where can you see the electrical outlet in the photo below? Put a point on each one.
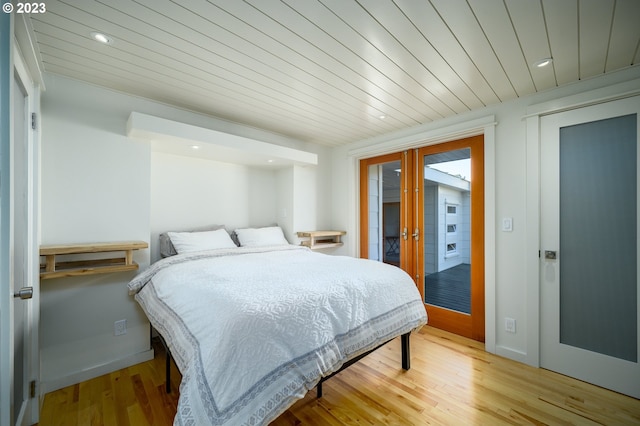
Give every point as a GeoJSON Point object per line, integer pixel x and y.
{"type": "Point", "coordinates": [510, 325]}
{"type": "Point", "coordinates": [120, 327]}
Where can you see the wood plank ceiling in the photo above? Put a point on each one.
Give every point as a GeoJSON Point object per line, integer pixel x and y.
{"type": "Point", "coordinates": [327, 71]}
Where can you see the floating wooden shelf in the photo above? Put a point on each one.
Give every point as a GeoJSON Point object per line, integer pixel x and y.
{"type": "Point", "coordinates": [53, 267]}
{"type": "Point", "coordinates": [321, 239]}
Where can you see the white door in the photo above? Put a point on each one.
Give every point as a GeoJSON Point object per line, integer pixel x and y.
{"type": "Point", "coordinates": [21, 280]}
{"type": "Point", "coordinates": [18, 249]}
{"type": "Point", "coordinates": [589, 273]}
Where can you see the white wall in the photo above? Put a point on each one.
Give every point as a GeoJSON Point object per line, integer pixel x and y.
{"type": "Point", "coordinates": [187, 193]}
{"type": "Point", "coordinates": [450, 196]}
{"type": "Point", "coordinates": [100, 185]}
{"type": "Point", "coordinates": [95, 188]}
{"type": "Point", "coordinates": [375, 212]}
{"type": "Point", "coordinates": [509, 263]}
{"type": "Point", "coordinates": [464, 228]}
{"type": "Point", "coordinates": [431, 231]}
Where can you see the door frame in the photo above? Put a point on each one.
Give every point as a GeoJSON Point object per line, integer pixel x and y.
{"type": "Point", "coordinates": [13, 66]}
{"type": "Point", "coordinates": [32, 350]}
{"type": "Point", "coordinates": [533, 192]}
{"type": "Point", "coordinates": [420, 137]}
{"type": "Point", "coordinates": [6, 312]}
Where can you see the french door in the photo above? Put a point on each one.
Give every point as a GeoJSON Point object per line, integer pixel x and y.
{"type": "Point", "coordinates": [385, 213]}
{"type": "Point", "coordinates": [417, 212]}
{"type": "Point", "coordinates": [589, 269]}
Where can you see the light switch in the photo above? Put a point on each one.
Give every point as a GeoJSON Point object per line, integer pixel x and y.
{"type": "Point", "coordinates": [507, 224]}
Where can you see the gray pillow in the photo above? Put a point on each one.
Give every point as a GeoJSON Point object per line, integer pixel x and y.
{"type": "Point", "coordinates": [166, 247]}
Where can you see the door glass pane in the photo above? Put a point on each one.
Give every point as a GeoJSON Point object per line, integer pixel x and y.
{"type": "Point", "coordinates": [598, 237]}
{"type": "Point", "coordinates": [384, 212]}
{"type": "Point", "coordinates": [447, 230]}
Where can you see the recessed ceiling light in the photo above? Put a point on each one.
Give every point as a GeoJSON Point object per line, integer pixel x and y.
{"type": "Point", "coordinates": [270, 161]}
{"type": "Point", "coordinates": [543, 62]}
{"type": "Point", "coordinates": [382, 116]}
{"type": "Point", "coordinates": [102, 38]}
{"type": "Point", "coordinates": [194, 147]}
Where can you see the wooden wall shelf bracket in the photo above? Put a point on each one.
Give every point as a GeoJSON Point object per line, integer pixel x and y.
{"type": "Point", "coordinates": [54, 267]}
{"type": "Point", "coordinates": [321, 239]}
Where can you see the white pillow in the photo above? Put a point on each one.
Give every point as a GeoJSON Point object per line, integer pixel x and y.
{"type": "Point", "coordinates": [255, 237]}
{"type": "Point", "coordinates": [186, 242]}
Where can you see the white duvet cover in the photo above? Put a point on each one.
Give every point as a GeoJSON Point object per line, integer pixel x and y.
{"type": "Point", "coordinates": [253, 329]}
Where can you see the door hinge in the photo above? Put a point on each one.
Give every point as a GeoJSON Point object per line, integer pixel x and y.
{"type": "Point", "coordinates": [33, 120]}
{"type": "Point", "coordinates": [32, 389]}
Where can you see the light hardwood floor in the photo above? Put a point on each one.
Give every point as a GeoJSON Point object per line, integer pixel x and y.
{"type": "Point", "coordinates": [452, 381]}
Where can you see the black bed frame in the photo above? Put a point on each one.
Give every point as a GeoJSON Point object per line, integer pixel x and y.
{"type": "Point", "coordinates": [404, 343]}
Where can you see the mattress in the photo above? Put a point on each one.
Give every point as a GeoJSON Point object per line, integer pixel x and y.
{"type": "Point", "coordinates": [253, 329]}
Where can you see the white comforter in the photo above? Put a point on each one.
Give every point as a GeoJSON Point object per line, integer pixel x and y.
{"type": "Point", "coordinates": [252, 330]}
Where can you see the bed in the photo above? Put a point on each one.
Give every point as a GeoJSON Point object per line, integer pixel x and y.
{"type": "Point", "coordinates": [253, 328]}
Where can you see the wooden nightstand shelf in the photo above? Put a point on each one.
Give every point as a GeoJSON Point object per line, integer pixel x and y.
{"type": "Point", "coordinates": [55, 268]}
{"type": "Point", "coordinates": [321, 239]}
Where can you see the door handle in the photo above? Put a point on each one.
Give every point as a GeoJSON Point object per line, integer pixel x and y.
{"type": "Point", "coordinates": [416, 234]}
{"type": "Point", "coordinates": [404, 233]}
{"type": "Point", "coordinates": [550, 255]}
{"type": "Point", "coordinates": [24, 293]}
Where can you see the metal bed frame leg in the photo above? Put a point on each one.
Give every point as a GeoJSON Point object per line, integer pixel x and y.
{"type": "Point", "coordinates": [406, 360]}
{"type": "Point", "coordinates": [406, 351]}
{"type": "Point", "coordinates": [168, 371]}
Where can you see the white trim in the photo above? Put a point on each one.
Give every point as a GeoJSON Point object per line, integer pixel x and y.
{"type": "Point", "coordinates": [511, 354]}
{"type": "Point", "coordinates": [6, 301]}
{"type": "Point", "coordinates": [25, 39]}
{"type": "Point", "coordinates": [592, 97]}
{"type": "Point", "coordinates": [486, 126]}
{"type": "Point", "coordinates": [97, 371]}
{"type": "Point", "coordinates": [374, 147]}
{"type": "Point", "coordinates": [490, 238]}
{"type": "Point", "coordinates": [532, 213]}
{"type": "Point", "coordinates": [532, 240]}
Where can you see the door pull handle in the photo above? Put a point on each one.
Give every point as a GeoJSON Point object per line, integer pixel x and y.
{"type": "Point", "coordinates": [24, 293]}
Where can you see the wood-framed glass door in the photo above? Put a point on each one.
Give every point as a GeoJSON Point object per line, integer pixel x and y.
{"type": "Point", "coordinates": [438, 237]}
{"type": "Point", "coordinates": [450, 223]}
{"type": "Point", "coordinates": [385, 209]}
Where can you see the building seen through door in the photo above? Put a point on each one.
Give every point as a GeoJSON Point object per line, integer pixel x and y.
{"type": "Point", "coordinates": [447, 230]}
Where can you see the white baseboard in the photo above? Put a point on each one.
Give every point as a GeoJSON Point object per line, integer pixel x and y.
{"type": "Point", "coordinates": [511, 354]}
{"type": "Point", "coordinates": [95, 371]}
